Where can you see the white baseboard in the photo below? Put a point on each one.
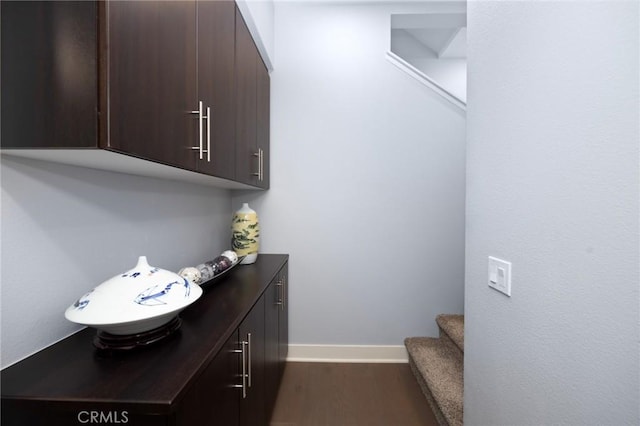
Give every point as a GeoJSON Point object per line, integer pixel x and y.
{"type": "Point", "coordinates": [348, 353]}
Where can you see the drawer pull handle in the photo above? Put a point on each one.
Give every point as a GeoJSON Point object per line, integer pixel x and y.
{"type": "Point", "coordinates": [242, 351]}
{"type": "Point", "coordinates": [260, 173]}
{"type": "Point", "coordinates": [208, 134]}
{"type": "Point", "coordinates": [284, 292]}
{"type": "Point", "coordinates": [261, 164]}
{"type": "Point", "coordinates": [249, 361]}
{"type": "Point", "coordinates": [200, 118]}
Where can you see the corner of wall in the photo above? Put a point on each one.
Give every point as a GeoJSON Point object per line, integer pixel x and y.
{"type": "Point", "coordinates": [259, 17]}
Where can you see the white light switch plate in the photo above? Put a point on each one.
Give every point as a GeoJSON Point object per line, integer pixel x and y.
{"type": "Point", "coordinates": [500, 275]}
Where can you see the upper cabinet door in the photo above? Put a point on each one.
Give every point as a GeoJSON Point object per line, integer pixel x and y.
{"type": "Point", "coordinates": [152, 80]}
{"type": "Point", "coordinates": [262, 122]}
{"type": "Point", "coordinates": [216, 32]}
{"type": "Point", "coordinates": [247, 155]}
{"type": "Point", "coordinates": [49, 74]}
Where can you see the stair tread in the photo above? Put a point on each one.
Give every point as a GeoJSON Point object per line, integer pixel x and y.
{"type": "Point", "coordinates": [453, 326]}
{"type": "Point", "coordinates": [442, 372]}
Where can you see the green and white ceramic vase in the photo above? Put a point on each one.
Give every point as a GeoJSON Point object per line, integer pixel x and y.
{"type": "Point", "coordinates": [245, 234]}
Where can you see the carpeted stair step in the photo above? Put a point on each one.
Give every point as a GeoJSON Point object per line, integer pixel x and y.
{"type": "Point", "coordinates": [439, 371]}
{"type": "Point", "coordinates": [452, 330]}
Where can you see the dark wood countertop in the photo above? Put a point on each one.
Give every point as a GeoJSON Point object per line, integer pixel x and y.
{"type": "Point", "coordinates": [151, 379]}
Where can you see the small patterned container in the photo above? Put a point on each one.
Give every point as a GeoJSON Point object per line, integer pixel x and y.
{"type": "Point", "coordinates": [245, 234]}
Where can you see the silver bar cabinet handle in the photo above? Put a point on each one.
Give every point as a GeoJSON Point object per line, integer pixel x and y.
{"type": "Point", "coordinates": [257, 154]}
{"type": "Point", "coordinates": [244, 370]}
{"type": "Point", "coordinates": [249, 350]}
{"type": "Point", "coordinates": [279, 296]}
{"type": "Point", "coordinates": [208, 134]}
{"type": "Point", "coordinates": [260, 155]}
{"type": "Point", "coordinates": [243, 385]}
{"type": "Point", "coordinates": [284, 292]}
{"type": "Point", "coordinates": [199, 112]}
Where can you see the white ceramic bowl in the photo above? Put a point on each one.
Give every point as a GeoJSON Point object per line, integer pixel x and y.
{"type": "Point", "coordinates": [136, 301]}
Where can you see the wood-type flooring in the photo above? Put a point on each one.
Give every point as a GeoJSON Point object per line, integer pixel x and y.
{"type": "Point", "coordinates": [346, 394]}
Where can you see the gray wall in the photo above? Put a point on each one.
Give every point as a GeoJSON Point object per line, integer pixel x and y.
{"type": "Point", "coordinates": [259, 17]}
{"type": "Point", "coordinates": [367, 195]}
{"type": "Point", "coordinates": [553, 186]}
{"type": "Point", "coordinates": [367, 183]}
{"type": "Point", "coordinates": [66, 229]}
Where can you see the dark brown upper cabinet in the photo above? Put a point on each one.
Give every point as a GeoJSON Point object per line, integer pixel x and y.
{"type": "Point", "coordinates": [155, 80]}
{"type": "Point", "coordinates": [216, 77]}
{"type": "Point", "coordinates": [183, 52]}
{"type": "Point", "coordinates": [262, 121]}
{"type": "Point", "coordinates": [49, 74]}
{"type": "Point", "coordinates": [152, 80]}
{"type": "Point", "coordinates": [252, 110]}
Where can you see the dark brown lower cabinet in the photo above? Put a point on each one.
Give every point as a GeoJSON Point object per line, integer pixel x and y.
{"type": "Point", "coordinates": [252, 333]}
{"type": "Point", "coordinates": [213, 399]}
{"type": "Point", "coordinates": [271, 354]}
{"type": "Point", "coordinates": [277, 336]}
{"type": "Point", "coordinates": [283, 322]}
{"type": "Point", "coordinates": [222, 368]}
